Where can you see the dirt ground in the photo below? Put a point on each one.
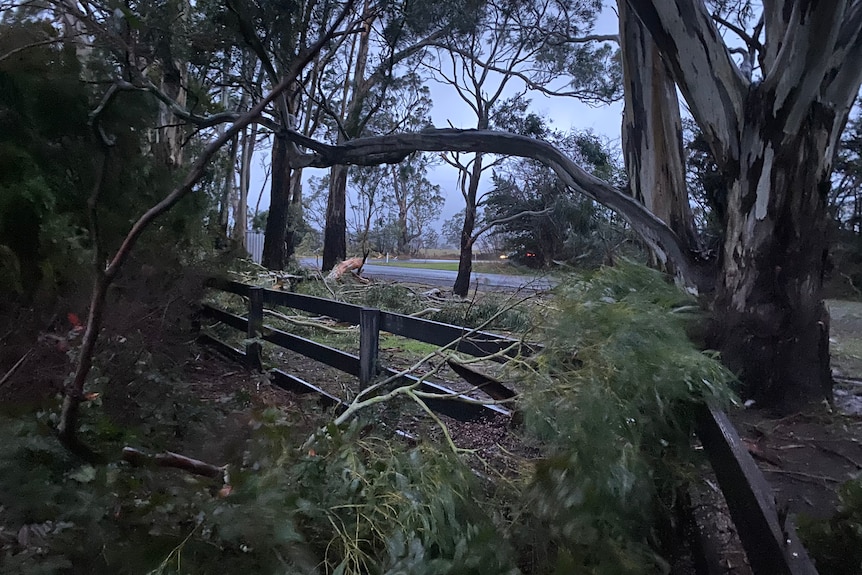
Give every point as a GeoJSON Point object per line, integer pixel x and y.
{"type": "Point", "coordinates": [806, 456]}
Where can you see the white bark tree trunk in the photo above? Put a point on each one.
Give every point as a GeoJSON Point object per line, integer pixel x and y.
{"type": "Point", "coordinates": [773, 140]}
{"type": "Point", "coordinates": [652, 130]}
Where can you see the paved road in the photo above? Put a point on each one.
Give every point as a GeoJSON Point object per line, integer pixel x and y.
{"type": "Point", "coordinates": [445, 278]}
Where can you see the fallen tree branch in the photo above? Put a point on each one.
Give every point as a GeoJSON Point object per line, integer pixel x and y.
{"type": "Point", "coordinates": [15, 367]}
{"type": "Point", "coordinates": [426, 311]}
{"type": "Point", "coordinates": [374, 150]}
{"type": "Point", "coordinates": [306, 323]}
{"type": "Point", "coordinates": [140, 458]}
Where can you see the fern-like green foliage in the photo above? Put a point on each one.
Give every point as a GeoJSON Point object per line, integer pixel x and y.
{"type": "Point", "coordinates": [369, 505]}
{"type": "Point", "coordinates": [611, 397]}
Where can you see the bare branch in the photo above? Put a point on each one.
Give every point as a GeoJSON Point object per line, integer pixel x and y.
{"type": "Point", "coordinates": [393, 149]}
{"type": "Point", "coordinates": [139, 458]}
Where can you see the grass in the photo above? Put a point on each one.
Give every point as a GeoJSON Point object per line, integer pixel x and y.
{"type": "Point", "coordinates": [846, 336]}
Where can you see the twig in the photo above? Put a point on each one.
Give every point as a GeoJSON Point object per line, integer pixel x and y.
{"type": "Point", "coordinates": [426, 311]}
{"type": "Point", "coordinates": [313, 324]}
{"type": "Point", "coordinates": [802, 476]}
{"type": "Point", "coordinates": [841, 455]}
{"type": "Point", "coordinates": [170, 459]}
{"type": "Point", "coordinates": [15, 367]}
{"type": "Point", "coordinates": [412, 395]}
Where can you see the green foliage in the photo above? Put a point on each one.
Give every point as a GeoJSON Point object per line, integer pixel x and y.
{"type": "Point", "coordinates": [381, 509]}
{"type": "Point", "coordinates": [610, 396]}
{"type": "Point", "coordinates": [835, 544]}
{"type": "Point", "coordinates": [563, 226]}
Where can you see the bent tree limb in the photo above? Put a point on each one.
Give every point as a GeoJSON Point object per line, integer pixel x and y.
{"type": "Point", "coordinates": [74, 389]}
{"type": "Point", "coordinates": [394, 148]}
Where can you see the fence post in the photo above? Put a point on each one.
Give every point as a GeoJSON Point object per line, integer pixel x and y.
{"type": "Point", "coordinates": [369, 343]}
{"type": "Point", "coordinates": [255, 328]}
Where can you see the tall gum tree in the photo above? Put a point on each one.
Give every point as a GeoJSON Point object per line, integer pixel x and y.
{"type": "Point", "coordinates": [652, 130]}
{"type": "Point", "coordinates": [773, 139]}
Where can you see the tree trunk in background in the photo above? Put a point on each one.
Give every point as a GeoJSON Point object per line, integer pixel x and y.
{"type": "Point", "coordinates": [228, 189]}
{"type": "Point", "coordinates": [652, 131]}
{"type": "Point", "coordinates": [294, 213]}
{"type": "Point", "coordinates": [401, 200]}
{"type": "Point", "coordinates": [335, 235]}
{"type": "Point", "coordinates": [465, 259]}
{"type": "Point", "coordinates": [241, 213]}
{"type": "Point", "coordinates": [771, 324]}
{"type": "Point", "coordinates": [279, 202]}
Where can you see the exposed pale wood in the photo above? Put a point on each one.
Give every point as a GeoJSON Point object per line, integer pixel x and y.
{"type": "Point", "coordinates": [348, 265]}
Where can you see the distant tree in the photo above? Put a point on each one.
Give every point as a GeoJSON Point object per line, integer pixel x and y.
{"type": "Point", "coordinates": [417, 202]}
{"type": "Point", "coordinates": [558, 226]}
{"type": "Point", "coordinates": [528, 46]}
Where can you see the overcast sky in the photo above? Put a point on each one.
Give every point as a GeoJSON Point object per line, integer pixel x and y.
{"type": "Point", "coordinates": [562, 114]}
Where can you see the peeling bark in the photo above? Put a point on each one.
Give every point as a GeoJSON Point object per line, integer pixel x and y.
{"type": "Point", "coordinates": [773, 142]}
{"type": "Point", "coordinates": [652, 131]}
{"type": "Point", "coordinates": [771, 323]}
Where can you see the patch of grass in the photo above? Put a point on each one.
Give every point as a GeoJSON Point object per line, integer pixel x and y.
{"type": "Point", "coordinates": [410, 347]}
{"type": "Point", "coordinates": [846, 336]}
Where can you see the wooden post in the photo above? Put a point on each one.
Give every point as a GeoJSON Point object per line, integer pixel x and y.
{"type": "Point", "coordinates": [255, 328]}
{"type": "Point", "coordinates": [369, 343]}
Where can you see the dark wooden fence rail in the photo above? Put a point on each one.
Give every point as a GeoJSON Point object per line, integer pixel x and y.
{"type": "Point", "coordinates": [770, 542]}
{"type": "Point", "coordinates": [366, 365]}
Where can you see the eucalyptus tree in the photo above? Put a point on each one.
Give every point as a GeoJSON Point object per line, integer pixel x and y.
{"type": "Point", "coordinates": [772, 124]}
{"type": "Point", "coordinates": [520, 46]}
{"type": "Point", "coordinates": [391, 38]}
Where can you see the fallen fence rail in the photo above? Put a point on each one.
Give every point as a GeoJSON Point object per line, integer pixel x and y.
{"type": "Point", "coordinates": [365, 366]}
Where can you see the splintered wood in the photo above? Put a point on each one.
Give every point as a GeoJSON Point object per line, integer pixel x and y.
{"type": "Point", "coordinates": [352, 265]}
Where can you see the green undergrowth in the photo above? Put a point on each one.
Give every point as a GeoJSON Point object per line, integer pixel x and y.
{"type": "Point", "coordinates": [836, 543]}
{"type": "Point", "coordinates": [607, 427]}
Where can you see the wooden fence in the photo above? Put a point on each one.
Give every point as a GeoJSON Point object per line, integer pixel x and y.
{"type": "Point", "coordinates": [770, 541]}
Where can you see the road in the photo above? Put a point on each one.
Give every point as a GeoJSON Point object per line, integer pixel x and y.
{"type": "Point", "coordinates": [445, 278]}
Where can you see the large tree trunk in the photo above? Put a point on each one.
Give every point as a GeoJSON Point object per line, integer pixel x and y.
{"type": "Point", "coordinates": [771, 324]}
{"type": "Point", "coordinates": [274, 256]}
{"type": "Point", "coordinates": [652, 130]}
{"type": "Point", "coordinates": [334, 237]}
